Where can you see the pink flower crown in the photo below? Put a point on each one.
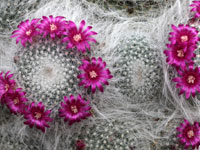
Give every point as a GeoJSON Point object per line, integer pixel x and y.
{"type": "Point", "coordinates": [180, 54]}
{"type": "Point", "coordinates": [94, 73]}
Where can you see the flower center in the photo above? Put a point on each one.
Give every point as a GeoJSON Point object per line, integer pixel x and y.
{"type": "Point", "coordinates": [77, 37]}
{"type": "Point", "coordinates": [74, 109]}
{"type": "Point", "coordinates": [184, 38]}
{"type": "Point", "coordinates": [190, 133]}
{"type": "Point", "coordinates": [180, 53]}
{"type": "Point", "coordinates": [93, 74]}
{"type": "Point", "coordinates": [191, 79]}
{"type": "Point", "coordinates": [16, 101]}
{"type": "Point", "coordinates": [53, 27]}
{"type": "Point", "coordinates": [37, 115]}
{"type": "Point", "coordinates": [6, 87]}
{"type": "Point", "coordinates": [28, 33]}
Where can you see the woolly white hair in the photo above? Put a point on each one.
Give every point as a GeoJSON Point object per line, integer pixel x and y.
{"type": "Point", "coordinates": [149, 119]}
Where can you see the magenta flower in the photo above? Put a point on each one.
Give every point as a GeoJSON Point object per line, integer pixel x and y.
{"type": "Point", "coordinates": [6, 83]}
{"type": "Point", "coordinates": [189, 135]}
{"type": "Point", "coordinates": [36, 115]}
{"type": "Point", "coordinates": [74, 109]}
{"type": "Point", "coordinates": [53, 26]}
{"type": "Point", "coordinates": [94, 74]}
{"type": "Point", "coordinates": [80, 145]}
{"type": "Point", "coordinates": [26, 32]}
{"type": "Point", "coordinates": [189, 81]}
{"type": "Point", "coordinates": [15, 101]}
{"type": "Point", "coordinates": [179, 55]}
{"type": "Point", "coordinates": [79, 38]}
{"type": "Point", "coordinates": [196, 8]}
{"type": "Point", "coordinates": [184, 35]}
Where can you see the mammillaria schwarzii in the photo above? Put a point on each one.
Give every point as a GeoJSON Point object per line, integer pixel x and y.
{"type": "Point", "coordinates": [48, 71]}
{"type": "Point", "coordinates": [131, 39]}
{"type": "Point", "coordinates": [137, 69]}
{"type": "Point", "coordinates": [133, 7]}
{"type": "Point", "coordinates": [12, 12]}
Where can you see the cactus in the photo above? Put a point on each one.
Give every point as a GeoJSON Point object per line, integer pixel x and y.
{"type": "Point", "coordinates": [113, 135]}
{"type": "Point", "coordinates": [48, 71]}
{"type": "Point", "coordinates": [138, 69]}
{"type": "Point", "coordinates": [133, 7]}
{"type": "Point", "coordinates": [10, 138]}
{"type": "Point", "coordinates": [12, 12]}
{"type": "Point", "coordinates": [10, 142]}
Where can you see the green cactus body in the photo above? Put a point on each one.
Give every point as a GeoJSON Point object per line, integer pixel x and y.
{"type": "Point", "coordinates": [10, 142]}
{"type": "Point", "coordinates": [48, 71]}
{"type": "Point", "coordinates": [134, 7]}
{"type": "Point", "coordinates": [105, 135]}
{"type": "Point", "coordinates": [138, 70]}
{"type": "Point", "coordinates": [12, 12]}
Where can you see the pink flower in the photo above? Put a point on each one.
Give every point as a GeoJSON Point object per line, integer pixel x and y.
{"type": "Point", "coordinates": [15, 101]}
{"type": "Point", "coordinates": [196, 8]}
{"type": "Point", "coordinates": [184, 35]}
{"type": "Point", "coordinates": [189, 135]}
{"type": "Point", "coordinates": [94, 74]}
{"type": "Point", "coordinates": [26, 32]}
{"type": "Point", "coordinates": [79, 38]}
{"type": "Point", "coordinates": [53, 26]}
{"type": "Point", "coordinates": [6, 84]}
{"type": "Point", "coordinates": [74, 109]}
{"type": "Point", "coordinates": [80, 145]}
{"type": "Point", "coordinates": [189, 81]}
{"type": "Point", "coordinates": [36, 115]}
{"type": "Point", "coordinates": [179, 55]}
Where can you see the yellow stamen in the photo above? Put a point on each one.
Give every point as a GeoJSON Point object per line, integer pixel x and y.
{"type": "Point", "coordinates": [190, 133]}
{"type": "Point", "coordinates": [53, 27]}
{"type": "Point", "coordinates": [93, 74]}
{"type": "Point", "coordinates": [28, 33]}
{"type": "Point", "coordinates": [180, 53]}
{"type": "Point", "coordinates": [184, 38]}
{"type": "Point", "coordinates": [6, 87]}
{"type": "Point", "coordinates": [74, 109]}
{"type": "Point", "coordinates": [37, 115]}
{"type": "Point", "coordinates": [77, 37]}
{"type": "Point", "coordinates": [191, 79]}
{"type": "Point", "coordinates": [16, 101]}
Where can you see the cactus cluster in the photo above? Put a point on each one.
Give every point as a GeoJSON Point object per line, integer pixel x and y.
{"type": "Point", "coordinates": [9, 139]}
{"type": "Point", "coordinates": [138, 69]}
{"type": "Point", "coordinates": [48, 71]}
{"type": "Point", "coordinates": [112, 135]}
{"type": "Point", "coordinates": [133, 7]}
{"type": "Point", "coordinates": [10, 142]}
{"type": "Point", "coordinates": [168, 136]}
{"type": "Point", "coordinates": [12, 12]}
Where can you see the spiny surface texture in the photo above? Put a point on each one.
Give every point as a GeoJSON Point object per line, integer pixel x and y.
{"type": "Point", "coordinates": [138, 69]}
{"type": "Point", "coordinates": [133, 7]}
{"type": "Point", "coordinates": [48, 71]}
{"type": "Point", "coordinates": [12, 12]}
